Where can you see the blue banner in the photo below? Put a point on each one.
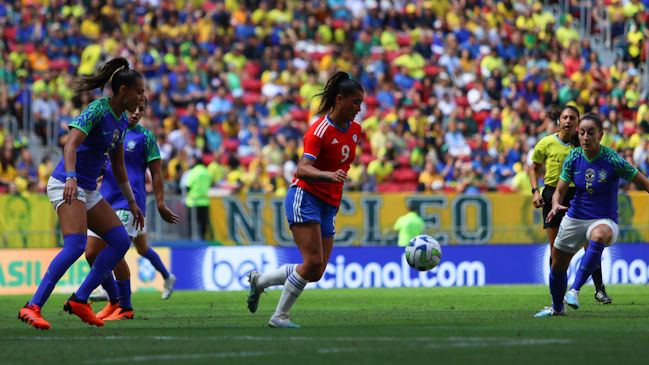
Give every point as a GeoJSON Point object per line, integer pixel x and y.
{"type": "Point", "coordinates": [225, 268]}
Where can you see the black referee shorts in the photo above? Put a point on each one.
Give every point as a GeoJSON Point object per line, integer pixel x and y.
{"type": "Point", "coordinates": [548, 191]}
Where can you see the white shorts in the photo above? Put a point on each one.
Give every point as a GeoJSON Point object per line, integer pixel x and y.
{"type": "Point", "coordinates": [55, 194]}
{"type": "Point", "coordinates": [127, 218]}
{"type": "Point", "coordinates": [574, 233]}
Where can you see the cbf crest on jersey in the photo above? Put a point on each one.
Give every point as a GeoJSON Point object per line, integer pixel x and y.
{"type": "Point", "coordinates": [130, 145]}
{"type": "Point", "coordinates": [602, 175]}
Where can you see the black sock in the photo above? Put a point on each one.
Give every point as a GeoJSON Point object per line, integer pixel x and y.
{"type": "Point", "coordinates": [74, 298]}
{"type": "Point", "coordinates": [597, 277]}
{"type": "Point", "coordinates": [114, 301]}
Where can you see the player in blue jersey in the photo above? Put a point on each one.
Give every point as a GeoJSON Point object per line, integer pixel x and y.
{"type": "Point", "coordinates": [314, 196]}
{"type": "Point", "coordinates": [96, 134]}
{"type": "Point", "coordinates": [140, 152]}
{"type": "Point", "coordinates": [596, 171]}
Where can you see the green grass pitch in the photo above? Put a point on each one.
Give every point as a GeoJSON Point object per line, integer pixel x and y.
{"type": "Point", "coordinates": [467, 325]}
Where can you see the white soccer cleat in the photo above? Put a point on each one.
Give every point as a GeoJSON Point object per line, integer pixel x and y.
{"type": "Point", "coordinates": [99, 295]}
{"type": "Point", "coordinates": [549, 311]}
{"type": "Point", "coordinates": [282, 322]}
{"type": "Point", "coordinates": [572, 298]}
{"type": "Point", "coordinates": [169, 286]}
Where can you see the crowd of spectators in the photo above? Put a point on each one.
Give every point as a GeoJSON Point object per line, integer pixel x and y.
{"type": "Point", "coordinates": [457, 91]}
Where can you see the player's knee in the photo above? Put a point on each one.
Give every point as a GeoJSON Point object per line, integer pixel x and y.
{"type": "Point", "coordinates": [315, 271]}
{"type": "Point", "coordinates": [602, 234]}
{"type": "Point", "coordinates": [91, 255]}
{"type": "Point", "coordinates": [118, 238]}
{"type": "Point", "coordinates": [141, 250]}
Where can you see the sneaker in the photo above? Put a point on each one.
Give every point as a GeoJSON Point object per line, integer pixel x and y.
{"type": "Point", "coordinates": [31, 314]}
{"type": "Point", "coordinates": [549, 311]}
{"type": "Point", "coordinates": [120, 313]}
{"type": "Point", "coordinates": [572, 298]}
{"type": "Point", "coordinates": [602, 297]}
{"type": "Point", "coordinates": [108, 309]}
{"type": "Point", "coordinates": [282, 322]}
{"type": "Point", "coordinates": [99, 295]}
{"type": "Point", "coordinates": [82, 310]}
{"type": "Point", "coordinates": [169, 286]}
{"type": "Point", "coordinates": [255, 292]}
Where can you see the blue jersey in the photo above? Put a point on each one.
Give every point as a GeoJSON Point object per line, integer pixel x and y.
{"type": "Point", "coordinates": [140, 148]}
{"type": "Point", "coordinates": [104, 131]}
{"type": "Point", "coordinates": [596, 182]}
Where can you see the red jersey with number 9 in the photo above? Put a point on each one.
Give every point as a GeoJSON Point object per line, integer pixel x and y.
{"type": "Point", "coordinates": [332, 149]}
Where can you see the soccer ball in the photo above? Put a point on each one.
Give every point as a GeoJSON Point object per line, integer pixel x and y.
{"type": "Point", "coordinates": [423, 253]}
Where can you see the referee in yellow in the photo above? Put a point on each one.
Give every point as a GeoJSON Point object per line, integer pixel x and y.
{"type": "Point", "coordinates": [551, 151]}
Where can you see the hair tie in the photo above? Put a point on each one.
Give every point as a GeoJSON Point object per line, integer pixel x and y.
{"type": "Point", "coordinates": [120, 68]}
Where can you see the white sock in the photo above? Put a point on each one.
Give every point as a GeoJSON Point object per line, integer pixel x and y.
{"type": "Point", "coordinates": [277, 277]}
{"type": "Point", "coordinates": [293, 287]}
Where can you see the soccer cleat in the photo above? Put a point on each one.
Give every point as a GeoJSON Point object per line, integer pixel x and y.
{"type": "Point", "coordinates": [169, 286]}
{"type": "Point", "coordinates": [282, 322]}
{"type": "Point", "coordinates": [602, 297]}
{"type": "Point", "coordinates": [572, 298]}
{"type": "Point", "coordinates": [82, 310]}
{"type": "Point", "coordinates": [108, 310]}
{"type": "Point", "coordinates": [549, 311]}
{"type": "Point", "coordinates": [120, 313]}
{"type": "Point", "coordinates": [99, 295]}
{"type": "Point", "coordinates": [31, 314]}
{"type": "Point", "coordinates": [255, 292]}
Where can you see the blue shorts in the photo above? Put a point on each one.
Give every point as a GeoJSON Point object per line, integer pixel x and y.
{"type": "Point", "coordinates": [302, 207]}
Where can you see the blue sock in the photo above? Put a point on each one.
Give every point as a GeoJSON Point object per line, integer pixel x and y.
{"type": "Point", "coordinates": [110, 287]}
{"type": "Point", "coordinates": [558, 285]}
{"type": "Point", "coordinates": [588, 263]}
{"type": "Point", "coordinates": [118, 243]}
{"type": "Point", "coordinates": [124, 288]}
{"type": "Point", "coordinates": [156, 262]}
{"type": "Point", "coordinates": [73, 247]}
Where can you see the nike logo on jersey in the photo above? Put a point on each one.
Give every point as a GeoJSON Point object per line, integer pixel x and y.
{"type": "Point", "coordinates": [108, 132]}
{"type": "Point", "coordinates": [334, 141]}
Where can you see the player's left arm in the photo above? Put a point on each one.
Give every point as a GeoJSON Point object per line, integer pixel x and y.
{"type": "Point", "coordinates": [641, 181]}
{"type": "Point", "coordinates": [121, 176]}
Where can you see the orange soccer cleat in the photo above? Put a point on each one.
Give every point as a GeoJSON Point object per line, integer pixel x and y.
{"type": "Point", "coordinates": [82, 310]}
{"type": "Point", "coordinates": [108, 310]}
{"type": "Point", "coordinates": [120, 313]}
{"type": "Point", "coordinates": [31, 314]}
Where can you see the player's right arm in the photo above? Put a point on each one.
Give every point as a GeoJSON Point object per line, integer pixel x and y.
{"type": "Point", "coordinates": [567, 174]}
{"type": "Point", "coordinates": [155, 166]}
{"type": "Point", "coordinates": [75, 139]}
{"type": "Point", "coordinates": [538, 160]}
{"type": "Point", "coordinates": [307, 171]}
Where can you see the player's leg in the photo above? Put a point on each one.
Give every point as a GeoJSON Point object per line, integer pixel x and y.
{"type": "Point", "coordinates": [308, 239]}
{"type": "Point", "coordinates": [72, 218]}
{"type": "Point", "coordinates": [601, 234]}
{"type": "Point", "coordinates": [600, 290]}
{"type": "Point", "coordinates": [149, 253]}
{"type": "Point", "coordinates": [103, 221]}
{"type": "Point", "coordinates": [123, 281]}
{"type": "Point", "coordinates": [94, 246]}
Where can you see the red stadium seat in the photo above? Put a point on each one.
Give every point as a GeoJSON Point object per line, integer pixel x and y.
{"type": "Point", "coordinates": [231, 145]}
{"type": "Point", "coordinates": [59, 64]}
{"type": "Point", "coordinates": [10, 34]}
{"type": "Point", "coordinates": [250, 98]}
{"type": "Point", "coordinates": [366, 158]}
{"type": "Point", "coordinates": [371, 102]}
{"type": "Point", "coordinates": [300, 115]}
{"type": "Point", "coordinates": [405, 174]}
{"type": "Point", "coordinates": [253, 69]}
{"type": "Point", "coordinates": [432, 70]}
{"type": "Point", "coordinates": [207, 159]}
{"type": "Point", "coordinates": [404, 39]}
{"type": "Point", "coordinates": [338, 23]}
{"type": "Point", "coordinates": [251, 85]}
{"type": "Point", "coordinates": [404, 160]}
{"type": "Point", "coordinates": [246, 160]}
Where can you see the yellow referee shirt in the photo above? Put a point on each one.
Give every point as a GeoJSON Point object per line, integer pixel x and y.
{"type": "Point", "coordinates": [551, 151]}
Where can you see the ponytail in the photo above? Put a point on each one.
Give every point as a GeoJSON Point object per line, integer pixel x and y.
{"type": "Point", "coordinates": [338, 84]}
{"type": "Point", "coordinates": [115, 71]}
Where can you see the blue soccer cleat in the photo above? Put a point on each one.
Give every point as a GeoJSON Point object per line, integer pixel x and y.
{"type": "Point", "coordinates": [282, 322]}
{"type": "Point", "coordinates": [549, 311]}
{"type": "Point", "coordinates": [572, 298]}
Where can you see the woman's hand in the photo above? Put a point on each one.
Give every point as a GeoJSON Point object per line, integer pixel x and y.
{"type": "Point", "coordinates": [538, 200]}
{"type": "Point", "coordinates": [138, 222]}
{"type": "Point", "coordinates": [555, 210]}
{"type": "Point", "coordinates": [70, 190]}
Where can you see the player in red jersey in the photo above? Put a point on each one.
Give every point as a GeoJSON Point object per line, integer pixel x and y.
{"type": "Point", "coordinates": [314, 196]}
